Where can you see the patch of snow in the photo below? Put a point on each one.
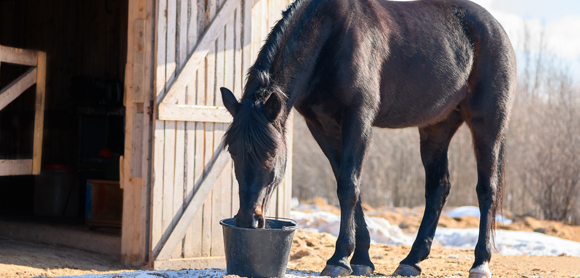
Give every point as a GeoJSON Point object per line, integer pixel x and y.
{"type": "Point", "coordinates": [380, 229]}
{"type": "Point", "coordinates": [507, 242]}
{"type": "Point", "coordinates": [294, 202]}
{"type": "Point", "coordinates": [186, 273]}
{"type": "Point", "coordinates": [510, 242]}
{"type": "Point", "coordinates": [474, 211]}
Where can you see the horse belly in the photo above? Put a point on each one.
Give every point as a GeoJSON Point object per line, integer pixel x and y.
{"type": "Point", "coordinates": [419, 108]}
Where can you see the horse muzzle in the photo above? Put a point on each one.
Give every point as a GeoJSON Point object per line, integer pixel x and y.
{"type": "Point", "coordinates": [250, 219]}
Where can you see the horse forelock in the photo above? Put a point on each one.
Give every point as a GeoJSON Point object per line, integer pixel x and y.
{"type": "Point", "coordinates": [261, 139]}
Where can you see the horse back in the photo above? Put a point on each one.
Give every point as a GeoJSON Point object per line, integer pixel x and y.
{"type": "Point", "coordinates": [420, 56]}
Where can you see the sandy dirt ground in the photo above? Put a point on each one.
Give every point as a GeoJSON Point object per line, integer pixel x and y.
{"type": "Point", "coordinates": [310, 251]}
{"type": "Point", "coordinates": [22, 259]}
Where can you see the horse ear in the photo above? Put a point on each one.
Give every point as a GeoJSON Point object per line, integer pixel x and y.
{"type": "Point", "coordinates": [273, 106]}
{"type": "Point", "coordinates": [230, 101]}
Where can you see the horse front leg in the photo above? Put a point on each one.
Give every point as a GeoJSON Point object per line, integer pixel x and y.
{"type": "Point", "coordinates": [356, 133]}
{"type": "Point", "coordinates": [361, 262]}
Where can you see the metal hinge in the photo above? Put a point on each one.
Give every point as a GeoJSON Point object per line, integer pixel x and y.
{"type": "Point", "coordinates": [150, 110]}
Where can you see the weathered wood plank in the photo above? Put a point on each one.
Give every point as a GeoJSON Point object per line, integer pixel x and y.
{"type": "Point", "coordinates": [237, 90]}
{"type": "Point", "coordinates": [157, 203]}
{"type": "Point", "coordinates": [18, 56]}
{"type": "Point", "coordinates": [179, 180]}
{"type": "Point", "coordinates": [217, 248]}
{"type": "Point", "coordinates": [202, 49]}
{"type": "Point", "coordinates": [17, 87]}
{"type": "Point", "coordinates": [159, 132]}
{"type": "Point", "coordinates": [146, 9]}
{"type": "Point", "coordinates": [15, 167]}
{"type": "Point", "coordinates": [39, 112]}
{"type": "Point", "coordinates": [161, 46]}
{"type": "Point", "coordinates": [168, 176]}
{"type": "Point", "coordinates": [182, 36]}
{"type": "Point", "coordinates": [208, 145]}
{"type": "Point", "coordinates": [192, 32]}
{"type": "Point", "coordinates": [139, 48]}
{"type": "Point", "coordinates": [191, 245]}
{"type": "Point", "coordinates": [199, 230]}
{"type": "Point", "coordinates": [194, 113]}
{"type": "Point", "coordinates": [171, 41]}
{"type": "Point", "coordinates": [169, 218]}
{"type": "Point", "coordinates": [256, 28]}
{"type": "Point", "coordinates": [229, 75]}
{"type": "Point", "coordinates": [220, 161]}
{"type": "Point", "coordinates": [178, 187]}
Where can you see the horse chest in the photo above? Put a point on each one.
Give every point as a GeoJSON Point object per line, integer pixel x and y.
{"type": "Point", "coordinates": [324, 116]}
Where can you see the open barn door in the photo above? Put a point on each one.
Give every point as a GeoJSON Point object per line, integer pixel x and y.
{"type": "Point", "coordinates": [36, 74]}
{"type": "Point", "coordinates": [200, 47]}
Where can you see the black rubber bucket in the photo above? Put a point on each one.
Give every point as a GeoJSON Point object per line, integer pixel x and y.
{"type": "Point", "coordinates": [258, 252]}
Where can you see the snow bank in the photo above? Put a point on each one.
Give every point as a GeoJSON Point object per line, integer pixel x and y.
{"type": "Point", "coordinates": [380, 229]}
{"type": "Point", "coordinates": [507, 242]}
{"type": "Point", "coordinates": [474, 211]}
{"type": "Point", "coordinates": [191, 273]}
{"type": "Point", "coordinates": [510, 242]}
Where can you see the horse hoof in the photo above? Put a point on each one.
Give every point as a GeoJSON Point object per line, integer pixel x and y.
{"type": "Point", "coordinates": [335, 271]}
{"type": "Point", "coordinates": [481, 271]}
{"type": "Point", "coordinates": [361, 270]}
{"type": "Point", "coordinates": [407, 271]}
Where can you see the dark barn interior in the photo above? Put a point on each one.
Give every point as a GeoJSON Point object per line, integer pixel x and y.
{"type": "Point", "coordinates": [86, 46]}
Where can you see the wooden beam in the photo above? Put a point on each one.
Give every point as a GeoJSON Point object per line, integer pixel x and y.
{"type": "Point", "coordinates": [18, 56]}
{"type": "Point", "coordinates": [194, 113]}
{"type": "Point", "coordinates": [215, 28]}
{"type": "Point", "coordinates": [15, 167]}
{"type": "Point", "coordinates": [39, 113]}
{"type": "Point", "coordinates": [139, 61]}
{"type": "Point", "coordinates": [205, 186]}
{"type": "Point", "coordinates": [17, 87]}
{"type": "Point", "coordinates": [191, 263]}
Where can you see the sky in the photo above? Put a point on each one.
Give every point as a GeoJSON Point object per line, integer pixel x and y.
{"type": "Point", "coordinates": [559, 19]}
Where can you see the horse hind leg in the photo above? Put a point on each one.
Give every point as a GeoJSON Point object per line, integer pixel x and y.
{"type": "Point", "coordinates": [489, 149]}
{"type": "Point", "coordinates": [487, 109]}
{"type": "Point", "coordinates": [434, 145]}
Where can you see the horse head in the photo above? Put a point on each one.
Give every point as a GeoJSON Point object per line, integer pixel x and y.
{"type": "Point", "coordinates": [257, 145]}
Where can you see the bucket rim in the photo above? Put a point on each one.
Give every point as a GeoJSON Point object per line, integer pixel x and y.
{"type": "Point", "coordinates": [284, 228]}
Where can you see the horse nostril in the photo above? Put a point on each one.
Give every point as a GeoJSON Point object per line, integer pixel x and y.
{"type": "Point", "coordinates": [259, 221]}
{"type": "Point", "coordinates": [249, 221]}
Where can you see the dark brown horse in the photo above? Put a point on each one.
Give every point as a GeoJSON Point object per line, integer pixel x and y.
{"type": "Point", "coordinates": [348, 65]}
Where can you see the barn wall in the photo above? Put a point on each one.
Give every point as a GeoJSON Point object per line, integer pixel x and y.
{"type": "Point", "coordinates": [182, 150]}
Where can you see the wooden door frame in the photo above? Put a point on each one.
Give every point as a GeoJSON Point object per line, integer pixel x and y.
{"type": "Point", "coordinates": [35, 75]}
{"type": "Point", "coordinates": [135, 165]}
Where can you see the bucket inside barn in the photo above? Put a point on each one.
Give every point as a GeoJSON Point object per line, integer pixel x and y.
{"type": "Point", "coordinates": [258, 252]}
{"type": "Point", "coordinates": [55, 193]}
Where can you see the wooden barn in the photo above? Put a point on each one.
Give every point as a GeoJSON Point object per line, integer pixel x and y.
{"type": "Point", "coordinates": [111, 124]}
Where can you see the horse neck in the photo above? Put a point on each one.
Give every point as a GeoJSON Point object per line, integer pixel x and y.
{"type": "Point", "coordinates": [295, 61]}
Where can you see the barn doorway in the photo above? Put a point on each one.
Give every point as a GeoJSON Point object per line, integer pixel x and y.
{"type": "Point", "coordinates": [84, 123]}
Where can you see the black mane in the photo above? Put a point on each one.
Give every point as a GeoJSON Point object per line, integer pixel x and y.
{"type": "Point", "coordinates": [261, 137]}
{"type": "Point", "coordinates": [259, 75]}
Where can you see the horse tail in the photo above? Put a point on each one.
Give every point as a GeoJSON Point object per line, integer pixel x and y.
{"type": "Point", "coordinates": [497, 206]}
